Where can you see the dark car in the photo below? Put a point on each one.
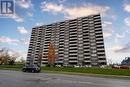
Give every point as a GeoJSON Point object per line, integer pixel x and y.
{"type": "Point", "coordinates": [31, 68]}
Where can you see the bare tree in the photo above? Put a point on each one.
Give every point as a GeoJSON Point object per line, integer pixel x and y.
{"type": "Point", "coordinates": [109, 61]}
{"type": "Point", "coordinates": [5, 58]}
{"type": "Point", "coordinates": [22, 60]}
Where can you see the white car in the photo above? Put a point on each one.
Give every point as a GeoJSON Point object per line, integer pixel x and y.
{"type": "Point", "coordinates": [88, 66]}
{"type": "Point", "coordinates": [76, 66]}
{"type": "Point", "coordinates": [58, 65]}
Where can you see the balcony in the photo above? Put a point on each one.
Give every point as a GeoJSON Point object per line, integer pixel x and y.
{"type": "Point", "coordinates": [61, 54]}
{"type": "Point", "coordinates": [85, 19]}
{"type": "Point", "coordinates": [73, 51]}
{"type": "Point", "coordinates": [87, 52]}
{"type": "Point", "coordinates": [97, 19]}
{"type": "Point", "coordinates": [98, 29]}
{"type": "Point", "coordinates": [102, 45]}
{"type": "Point", "coordinates": [73, 36]}
{"type": "Point", "coordinates": [97, 23]}
{"type": "Point", "coordinates": [74, 26]}
{"type": "Point", "coordinates": [86, 55]}
{"type": "Point", "coordinates": [101, 60]}
{"type": "Point", "coordinates": [85, 25]}
{"type": "Point", "coordinates": [87, 61]}
{"type": "Point", "coordinates": [97, 16]}
{"type": "Point", "coordinates": [73, 39]}
{"type": "Point", "coordinates": [99, 42]}
{"type": "Point", "coordinates": [100, 52]}
{"type": "Point", "coordinates": [61, 37]}
{"type": "Point", "coordinates": [62, 34]}
{"type": "Point", "coordinates": [101, 57]}
{"type": "Point", "coordinates": [73, 21]}
{"type": "Point", "coordinates": [45, 61]}
{"type": "Point", "coordinates": [73, 47]}
{"type": "Point", "coordinates": [73, 30]}
{"type": "Point", "coordinates": [101, 38]}
{"type": "Point", "coordinates": [86, 44]}
{"type": "Point", "coordinates": [71, 61]}
{"type": "Point", "coordinates": [72, 33]}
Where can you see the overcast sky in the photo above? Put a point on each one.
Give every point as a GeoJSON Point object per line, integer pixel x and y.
{"type": "Point", "coordinates": [15, 31]}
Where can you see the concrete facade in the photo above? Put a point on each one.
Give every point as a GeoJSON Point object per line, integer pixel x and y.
{"type": "Point", "coordinates": [77, 42]}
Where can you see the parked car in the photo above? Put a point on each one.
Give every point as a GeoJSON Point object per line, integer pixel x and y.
{"type": "Point", "coordinates": [58, 66]}
{"type": "Point", "coordinates": [120, 67]}
{"type": "Point", "coordinates": [31, 68]}
{"type": "Point", "coordinates": [76, 66]}
{"type": "Point", "coordinates": [103, 66]}
{"type": "Point", "coordinates": [116, 66]}
{"type": "Point", "coordinates": [124, 67]}
{"type": "Point", "coordinates": [88, 66]}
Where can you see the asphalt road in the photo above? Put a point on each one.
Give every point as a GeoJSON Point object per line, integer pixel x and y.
{"type": "Point", "coordinates": [20, 79]}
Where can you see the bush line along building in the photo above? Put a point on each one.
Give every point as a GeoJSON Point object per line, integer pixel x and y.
{"type": "Point", "coordinates": [77, 42]}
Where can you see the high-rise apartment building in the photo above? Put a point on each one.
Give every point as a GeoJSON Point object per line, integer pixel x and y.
{"type": "Point", "coordinates": [77, 42]}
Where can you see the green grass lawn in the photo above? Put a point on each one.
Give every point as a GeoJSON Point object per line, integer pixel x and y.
{"type": "Point", "coordinates": [121, 72]}
{"type": "Point", "coordinates": [100, 71]}
{"type": "Point", "coordinates": [11, 67]}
